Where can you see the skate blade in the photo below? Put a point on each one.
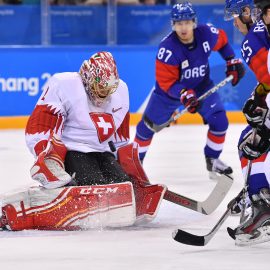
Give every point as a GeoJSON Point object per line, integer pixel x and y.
{"type": "Point", "coordinates": [261, 235]}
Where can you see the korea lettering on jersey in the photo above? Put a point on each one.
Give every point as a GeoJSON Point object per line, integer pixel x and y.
{"type": "Point", "coordinates": [65, 108]}
{"type": "Point", "coordinates": [255, 51]}
{"type": "Point", "coordinates": [176, 63]}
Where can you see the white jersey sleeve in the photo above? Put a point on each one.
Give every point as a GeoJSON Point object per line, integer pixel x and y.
{"type": "Point", "coordinates": [49, 115]}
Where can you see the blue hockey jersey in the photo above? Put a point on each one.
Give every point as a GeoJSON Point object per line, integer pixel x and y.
{"type": "Point", "coordinates": [185, 66]}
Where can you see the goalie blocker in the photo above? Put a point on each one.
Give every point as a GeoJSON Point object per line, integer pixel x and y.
{"type": "Point", "coordinates": [85, 207]}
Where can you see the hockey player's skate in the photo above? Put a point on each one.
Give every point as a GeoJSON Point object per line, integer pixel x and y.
{"type": "Point", "coordinates": [256, 228]}
{"type": "Point", "coordinates": [215, 167]}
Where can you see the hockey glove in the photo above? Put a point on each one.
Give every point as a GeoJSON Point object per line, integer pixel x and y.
{"type": "Point", "coordinates": [49, 167]}
{"type": "Point", "coordinates": [260, 145]}
{"type": "Point", "coordinates": [236, 68]}
{"type": "Point", "coordinates": [189, 100]}
{"type": "Point", "coordinates": [255, 110]}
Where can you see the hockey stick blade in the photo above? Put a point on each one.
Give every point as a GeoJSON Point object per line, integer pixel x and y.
{"type": "Point", "coordinates": [188, 238]}
{"type": "Point", "coordinates": [196, 240]}
{"type": "Point", "coordinates": [210, 204]}
{"type": "Point", "coordinates": [231, 232]}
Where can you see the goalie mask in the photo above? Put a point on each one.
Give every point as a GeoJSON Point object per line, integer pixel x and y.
{"type": "Point", "coordinates": [100, 77]}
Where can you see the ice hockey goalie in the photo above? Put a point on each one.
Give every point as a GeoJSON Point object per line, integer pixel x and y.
{"type": "Point", "coordinates": [86, 207]}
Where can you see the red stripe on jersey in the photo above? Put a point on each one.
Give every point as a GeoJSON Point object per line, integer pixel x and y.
{"type": "Point", "coordinates": [222, 40]}
{"type": "Point", "coordinates": [166, 75]}
{"type": "Point", "coordinates": [40, 146]}
{"type": "Point", "coordinates": [142, 143]}
{"type": "Point", "coordinates": [215, 139]}
{"type": "Point", "coordinates": [123, 130]}
{"type": "Point", "coordinates": [244, 161]}
{"type": "Point", "coordinates": [258, 64]}
{"type": "Point", "coordinates": [43, 119]}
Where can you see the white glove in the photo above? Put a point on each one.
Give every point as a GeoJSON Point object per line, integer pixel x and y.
{"type": "Point", "coordinates": [49, 167]}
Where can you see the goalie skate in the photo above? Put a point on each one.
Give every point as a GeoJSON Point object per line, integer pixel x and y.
{"type": "Point", "coordinates": [216, 167]}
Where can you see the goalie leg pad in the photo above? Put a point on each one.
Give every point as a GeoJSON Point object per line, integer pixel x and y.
{"type": "Point", "coordinates": [148, 197]}
{"type": "Point", "coordinates": [128, 158]}
{"type": "Point", "coordinates": [148, 200]}
{"type": "Point", "coordinates": [70, 208]}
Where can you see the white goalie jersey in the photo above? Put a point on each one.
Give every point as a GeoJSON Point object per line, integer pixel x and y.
{"type": "Point", "coordinates": [65, 108]}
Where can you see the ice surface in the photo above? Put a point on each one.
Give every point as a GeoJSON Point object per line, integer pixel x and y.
{"type": "Point", "coordinates": [175, 159]}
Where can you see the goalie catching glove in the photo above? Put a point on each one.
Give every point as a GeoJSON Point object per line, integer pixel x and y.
{"type": "Point", "coordinates": [189, 100]}
{"type": "Point", "coordinates": [260, 146]}
{"type": "Point", "coordinates": [235, 68]}
{"type": "Point", "coordinates": [49, 167]}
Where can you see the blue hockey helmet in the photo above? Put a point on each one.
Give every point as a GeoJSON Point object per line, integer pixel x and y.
{"type": "Point", "coordinates": [236, 8]}
{"type": "Point", "coordinates": [183, 12]}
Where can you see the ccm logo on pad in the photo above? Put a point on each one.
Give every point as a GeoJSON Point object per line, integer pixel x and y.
{"type": "Point", "coordinates": [98, 190]}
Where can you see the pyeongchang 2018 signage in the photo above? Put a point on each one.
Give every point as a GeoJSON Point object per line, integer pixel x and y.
{"type": "Point", "coordinates": [18, 95]}
{"type": "Point", "coordinates": [30, 86]}
{"type": "Point", "coordinates": [25, 70]}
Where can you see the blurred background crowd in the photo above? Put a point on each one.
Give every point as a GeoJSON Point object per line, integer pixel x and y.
{"type": "Point", "coordinates": [103, 2]}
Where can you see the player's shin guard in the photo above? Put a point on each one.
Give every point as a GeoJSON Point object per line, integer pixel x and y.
{"type": "Point", "coordinates": [214, 143]}
{"type": "Point", "coordinates": [143, 138]}
{"type": "Point", "coordinates": [212, 150]}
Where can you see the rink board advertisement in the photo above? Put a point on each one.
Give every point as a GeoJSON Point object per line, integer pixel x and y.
{"type": "Point", "coordinates": [24, 71]}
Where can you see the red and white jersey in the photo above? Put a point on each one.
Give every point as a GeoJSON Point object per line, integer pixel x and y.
{"type": "Point", "coordinates": [65, 108]}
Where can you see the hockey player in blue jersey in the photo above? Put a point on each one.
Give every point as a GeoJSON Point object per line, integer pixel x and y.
{"type": "Point", "coordinates": [183, 75]}
{"type": "Point", "coordinates": [253, 21]}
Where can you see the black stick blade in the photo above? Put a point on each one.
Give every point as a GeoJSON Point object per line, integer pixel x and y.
{"type": "Point", "coordinates": [188, 238]}
{"type": "Point", "coordinates": [231, 232]}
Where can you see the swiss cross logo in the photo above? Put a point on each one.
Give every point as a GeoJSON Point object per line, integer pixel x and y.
{"type": "Point", "coordinates": [104, 124]}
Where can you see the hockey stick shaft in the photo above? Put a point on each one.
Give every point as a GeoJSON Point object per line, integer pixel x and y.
{"type": "Point", "coordinates": [249, 165]}
{"type": "Point", "coordinates": [177, 113]}
{"type": "Point", "coordinates": [207, 206]}
{"type": "Point", "coordinates": [205, 95]}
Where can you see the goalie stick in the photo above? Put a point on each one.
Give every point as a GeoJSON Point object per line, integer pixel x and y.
{"type": "Point", "coordinates": [132, 165]}
{"type": "Point", "coordinates": [156, 128]}
{"type": "Point", "coordinates": [207, 206]}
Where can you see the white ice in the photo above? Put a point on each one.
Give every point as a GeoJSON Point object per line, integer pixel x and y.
{"type": "Point", "coordinates": [174, 159]}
